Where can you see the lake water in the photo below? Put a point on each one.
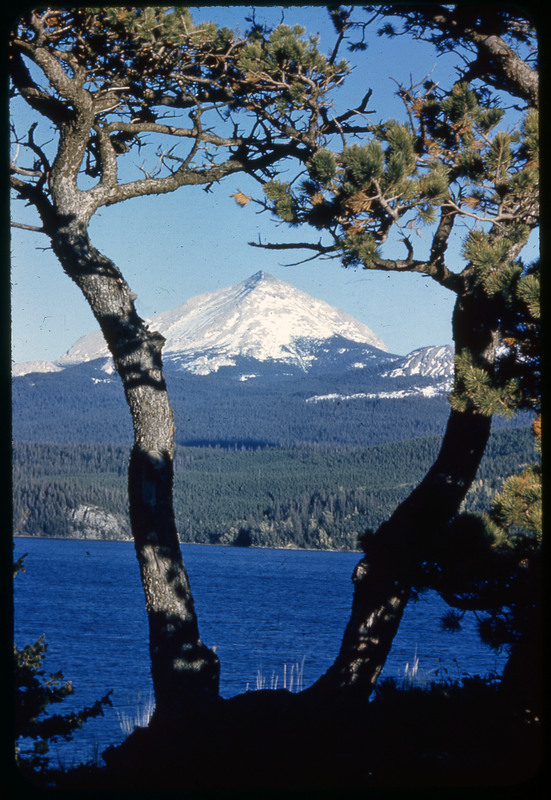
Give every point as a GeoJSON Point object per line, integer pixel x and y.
{"type": "Point", "coordinates": [264, 610]}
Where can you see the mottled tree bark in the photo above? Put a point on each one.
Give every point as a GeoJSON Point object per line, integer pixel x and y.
{"type": "Point", "coordinates": [185, 672]}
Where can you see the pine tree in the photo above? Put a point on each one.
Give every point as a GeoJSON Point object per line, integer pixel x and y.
{"type": "Point", "coordinates": [493, 564]}
{"type": "Point", "coordinates": [458, 162]}
{"type": "Point", "coordinates": [34, 692]}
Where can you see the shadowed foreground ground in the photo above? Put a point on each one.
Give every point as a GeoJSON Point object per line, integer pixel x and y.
{"type": "Point", "coordinates": [450, 736]}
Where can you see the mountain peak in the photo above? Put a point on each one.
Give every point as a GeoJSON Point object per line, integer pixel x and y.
{"type": "Point", "coordinates": [259, 280]}
{"type": "Point", "coordinates": [258, 277]}
{"type": "Point", "coordinates": [262, 318]}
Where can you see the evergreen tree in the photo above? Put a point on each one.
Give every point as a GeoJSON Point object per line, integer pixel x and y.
{"type": "Point", "coordinates": [34, 692]}
{"type": "Point", "coordinates": [492, 563]}
{"type": "Point", "coordinates": [460, 160]}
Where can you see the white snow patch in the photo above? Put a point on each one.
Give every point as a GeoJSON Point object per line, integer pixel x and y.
{"type": "Point", "coordinates": [424, 391]}
{"type": "Point", "coordinates": [28, 367]}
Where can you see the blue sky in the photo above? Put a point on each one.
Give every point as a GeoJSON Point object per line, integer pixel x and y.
{"type": "Point", "coordinates": [173, 247]}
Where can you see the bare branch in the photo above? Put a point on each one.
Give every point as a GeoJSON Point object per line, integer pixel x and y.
{"type": "Point", "coordinates": [183, 176]}
{"type": "Point", "coordinates": [25, 227]}
{"type": "Point", "coordinates": [344, 23]}
{"type": "Point", "coordinates": [172, 130]}
{"type": "Point", "coordinates": [306, 260]}
{"type": "Point", "coordinates": [319, 248]}
{"type": "Point", "coordinates": [438, 272]}
{"type": "Point", "coordinates": [29, 173]}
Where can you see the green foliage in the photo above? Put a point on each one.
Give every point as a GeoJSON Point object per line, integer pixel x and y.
{"type": "Point", "coordinates": [156, 58]}
{"type": "Point", "coordinates": [34, 693]}
{"type": "Point", "coordinates": [362, 164]}
{"type": "Point", "coordinates": [488, 118]}
{"type": "Point", "coordinates": [467, 554]}
{"type": "Point", "coordinates": [530, 136]}
{"type": "Point", "coordinates": [392, 163]}
{"type": "Point", "coordinates": [493, 270]}
{"type": "Point", "coordinates": [501, 281]}
{"type": "Point", "coordinates": [516, 380]}
{"type": "Point", "coordinates": [491, 563]}
{"type": "Point", "coordinates": [289, 65]}
{"type": "Point", "coordinates": [518, 508]}
{"type": "Point", "coordinates": [283, 203]}
{"type": "Point", "coordinates": [484, 253]}
{"type": "Point", "coordinates": [359, 248]}
{"type": "Point", "coordinates": [305, 496]}
{"type": "Point", "coordinates": [400, 155]}
{"type": "Point", "coordinates": [500, 156]}
{"type": "Point", "coordinates": [434, 184]}
{"type": "Point", "coordinates": [476, 387]}
{"type": "Point", "coordinates": [322, 167]}
{"type": "Point", "coordinates": [470, 165]}
{"type": "Point", "coordinates": [452, 153]}
{"type": "Point", "coordinates": [150, 43]}
{"type": "Point", "coordinates": [283, 49]}
{"type": "Point", "coordinates": [155, 22]}
{"type": "Point", "coordinates": [528, 291]}
{"type": "Point", "coordinates": [521, 322]}
{"type": "Point", "coordinates": [461, 105]}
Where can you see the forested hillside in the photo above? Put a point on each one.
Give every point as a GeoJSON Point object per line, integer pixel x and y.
{"type": "Point", "coordinates": [304, 496]}
{"type": "Point", "coordinates": [70, 407]}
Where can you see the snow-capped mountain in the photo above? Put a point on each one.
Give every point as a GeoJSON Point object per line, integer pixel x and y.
{"type": "Point", "coordinates": [258, 362]}
{"type": "Point", "coordinates": [261, 318]}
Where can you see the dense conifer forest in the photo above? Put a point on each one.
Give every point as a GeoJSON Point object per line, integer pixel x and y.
{"type": "Point", "coordinates": [312, 496]}
{"type": "Point", "coordinates": [212, 409]}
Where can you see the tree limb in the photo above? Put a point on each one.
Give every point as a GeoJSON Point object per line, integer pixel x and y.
{"type": "Point", "coordinates": [437, 271]}
{"type": "Point", "coordinates": [23, 226]}
{"type": "Point", "coordinates": [319, 248]}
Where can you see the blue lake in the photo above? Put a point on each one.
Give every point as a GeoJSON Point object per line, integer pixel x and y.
{"type": "Point", "coordinates": [264, 610]}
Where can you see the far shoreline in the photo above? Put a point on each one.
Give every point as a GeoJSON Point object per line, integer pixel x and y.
{"type": "Point", "coordinates": [192, 544]}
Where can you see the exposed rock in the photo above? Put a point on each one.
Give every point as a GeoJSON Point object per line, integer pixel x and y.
{"type": "Point", "coordinates": [93, 522]}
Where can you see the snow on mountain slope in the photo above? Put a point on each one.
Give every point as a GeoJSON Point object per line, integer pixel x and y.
{"type": "Point", "coordinates": [434, 364]}
{"type": "Point", "coordinates": [430, 362]}
{"type": "Point", "coordinates": [261, 318]}
{"type": "Point", "coordinates": [262, 328]}
{"type": "Point", "coordinates": [28, 367]}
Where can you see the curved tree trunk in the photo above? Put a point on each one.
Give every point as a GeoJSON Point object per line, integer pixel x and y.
{"type": "Point", "coordinates": [385, 576]}
{"type": "Point", "coordinates": [185, 672]}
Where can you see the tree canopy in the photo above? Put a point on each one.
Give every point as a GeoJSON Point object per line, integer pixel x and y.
{"type": "Point", "coordinates": [131, 73]}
